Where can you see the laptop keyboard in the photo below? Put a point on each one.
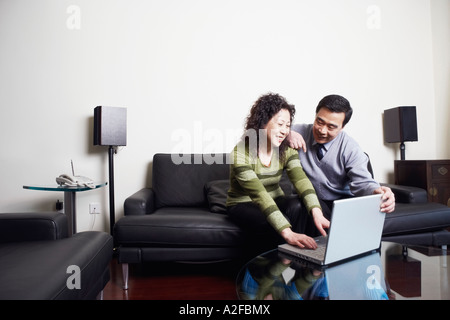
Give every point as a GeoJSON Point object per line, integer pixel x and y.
{"type": "Point", "coordinates": [318, 254]}
{"type": "Point", "coordinates": [321, 241]}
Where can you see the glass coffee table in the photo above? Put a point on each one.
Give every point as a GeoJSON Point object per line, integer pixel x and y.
{"type": "Point", "coordinates": [396, 272]}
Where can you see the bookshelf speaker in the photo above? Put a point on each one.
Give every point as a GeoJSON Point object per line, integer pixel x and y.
{"type": "Point", "coordinates": [110, 126]}
{"type": "Point", "coordinates": [400, 124]}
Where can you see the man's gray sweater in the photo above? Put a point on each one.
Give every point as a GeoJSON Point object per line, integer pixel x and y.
{"type": "Point", "coordinates": [342, 172]}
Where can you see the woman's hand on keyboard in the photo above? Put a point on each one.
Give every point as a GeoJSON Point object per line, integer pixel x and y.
{"type": "Point", "coordinates": [298, 239]}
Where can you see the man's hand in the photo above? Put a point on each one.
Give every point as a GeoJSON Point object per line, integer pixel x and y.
{"type": "Point", "coordinates": [296, 141]}
{"type": "Point", "coordinates": [298, 239]}
{"type": "Point", "coordinates": [388, 199]}
{"type": "Point", "coordinates": [320, 221]}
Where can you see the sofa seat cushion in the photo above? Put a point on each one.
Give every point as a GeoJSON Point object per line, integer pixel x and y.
{"type": "Point", "coordinates": [417, 217]}
{"type": "Point", "coordinates": [433, 238]}
{"type": "Point", "coordinates": [38, 270]}
{"type": "Point", "coordinates": [174, 226]}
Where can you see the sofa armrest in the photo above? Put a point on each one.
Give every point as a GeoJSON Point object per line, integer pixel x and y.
{"type": "Point", "coordinates": [140, 203]}
{"type": "Point", "coordinates": [408, 194]}
{"type": "Point", "coordinates": [34, 226]}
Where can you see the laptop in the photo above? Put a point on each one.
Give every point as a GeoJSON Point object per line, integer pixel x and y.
{"type": "Point", "coordinates": [355, 228]}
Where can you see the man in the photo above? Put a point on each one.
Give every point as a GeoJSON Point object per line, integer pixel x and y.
{"type": "Point", "coordinates": [333, 161]}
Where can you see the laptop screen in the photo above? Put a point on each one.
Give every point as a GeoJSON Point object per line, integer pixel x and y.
{"type": "Point", "coordinates": [356, 227]}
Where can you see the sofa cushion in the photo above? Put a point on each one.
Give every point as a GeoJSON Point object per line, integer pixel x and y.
{"type": "Point", "coordinates": [216, 193]}
{"type": "Point", "coordinates": [179, 180]}
{"type": "Point", "coordinates": [417, 217]}
{"type": "Point", "coordinates": [178, 227]}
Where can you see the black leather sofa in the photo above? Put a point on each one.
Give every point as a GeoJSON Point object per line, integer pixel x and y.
{"type": "Point", "coordinates": [182, 216]}
{"type": "Point", "coordinates": [38, 261]}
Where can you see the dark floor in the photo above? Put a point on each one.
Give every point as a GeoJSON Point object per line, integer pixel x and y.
{"type": "Point", "coordinates": [174, 281]}
{"type": "Point", "coordinates": [184, 281]}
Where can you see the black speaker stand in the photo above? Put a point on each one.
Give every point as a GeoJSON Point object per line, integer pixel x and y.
{"type": "Point", "coordinates": [402, 151]}
{"type": "Point", "coordinates": [112, 210]}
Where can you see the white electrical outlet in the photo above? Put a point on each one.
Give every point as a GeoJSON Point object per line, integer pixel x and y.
{"type": "Point", "coordinates": [94, 208]}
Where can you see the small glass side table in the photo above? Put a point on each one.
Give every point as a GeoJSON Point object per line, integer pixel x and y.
{"type": "Point", "coordinates": [69, 200]}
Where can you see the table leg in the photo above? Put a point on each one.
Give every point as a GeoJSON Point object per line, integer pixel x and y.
{"type": "Point", "coordinates": [70, 211]}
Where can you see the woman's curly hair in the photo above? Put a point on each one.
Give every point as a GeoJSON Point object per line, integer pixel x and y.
{"type": "Point", "coordinates": [260, 114]}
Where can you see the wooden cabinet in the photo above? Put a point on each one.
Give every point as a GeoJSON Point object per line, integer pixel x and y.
{"type": "Point", "coordinates": [431, 175]}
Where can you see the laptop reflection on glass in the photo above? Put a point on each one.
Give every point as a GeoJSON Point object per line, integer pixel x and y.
{"type": "Point", "coordinates": [356, 227]}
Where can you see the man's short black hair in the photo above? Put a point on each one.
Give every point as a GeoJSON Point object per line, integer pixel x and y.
{"type": "Point", "coordinates": [336, 103]}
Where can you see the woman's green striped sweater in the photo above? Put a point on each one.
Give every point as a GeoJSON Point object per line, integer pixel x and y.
{"type": "Point", "coordinates": [250, 181]}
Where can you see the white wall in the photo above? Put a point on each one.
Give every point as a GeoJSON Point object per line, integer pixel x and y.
{"type": "Point", "coordinates": [440, 22]}
{"type": "Point", "coordinates": [188, 72]}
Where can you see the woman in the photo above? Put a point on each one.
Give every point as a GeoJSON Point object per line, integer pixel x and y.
{"type": "Point", "coordinates": [255, 199]}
